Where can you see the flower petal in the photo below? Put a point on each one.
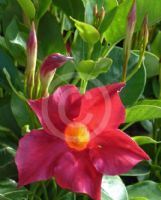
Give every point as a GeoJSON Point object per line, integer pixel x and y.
{"type": "Point", "coordinates": [36, 155]}
{"type": "Point", "coordinates": [57, 110]}
{"type": "Point", "coordinates": [114, 152]}
{"type": "Point", "coordinates": [102, 108]}
{"type": "Point", "coordinates": [74, 171]}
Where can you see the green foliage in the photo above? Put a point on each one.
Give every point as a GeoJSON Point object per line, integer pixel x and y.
{"type": "Point", "coordinates": [89, 69]}
{"type": "Point", "coordinates": [28, 8]}
{"type": "Point", "coordinates": [146, 189]}
{"type": "Point", "coordinates": [15, 38]}
{"type": "Point", "coordinates": [87, 32]}
{"type": "Point", "coordinates": [113, 188]}
{"type": "Point", "coordinates": [93, 33]}
{"type": "Point", "coordinates": [7, 63]}
{"type": "Point", "coordinates": [9, 191]}
{"type": "Point", "coordinates": [50, 37]}
{"type": "Point", "coordinates": [72, 8]}
{"type": "Point", "coordinates": [117, 29]}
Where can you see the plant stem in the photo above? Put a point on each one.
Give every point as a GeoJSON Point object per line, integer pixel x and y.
{"type": "Point", "coordinates": [137, 67]}
{"type": "Point", "coordinates": [90, 50]}
{"type": "Point", "coordinates": [36, 186]}
{"type": "Point", "coordinates": [160, 78]}
{"type": "Point", "coordinates": [83, 86]}
{"type": "Point", "coordinates": [37, 85]}
{"type": "Point", "coordinates": [12, 87]}
{"type": "Point", "coordinates": [45, 191]}
{"type": "Point", "coordinates": [85, 198]}
{"type": "Point", "coordinates": [75, 81]}
{"type": "Point", "coordinates": [127, 126]}
{"type": "Point", "coordinates": [125, 64]}
{"type": "Point", "coordinates": [1, 92]}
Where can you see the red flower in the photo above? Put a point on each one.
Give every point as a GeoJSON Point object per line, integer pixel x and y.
{"type": "Point", "coordinates": [80, 140]}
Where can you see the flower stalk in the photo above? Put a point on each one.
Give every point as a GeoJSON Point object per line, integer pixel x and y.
{"type": "Point", "coordinates": [83, 86]}
{"type": "Point", "coordinates": [160, 78]}
{"type": "Point", "coordinates": [143, 44]}
{"type": "Point", "coordinates": [31, 61]}
{"type": "Point", "coordinates": [128, 40]}
{"type": "Point", "coordinates": [98, 15]}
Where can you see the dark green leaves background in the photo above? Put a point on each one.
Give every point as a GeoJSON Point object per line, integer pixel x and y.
{"type": "Point", "coordinates": [72, 21]}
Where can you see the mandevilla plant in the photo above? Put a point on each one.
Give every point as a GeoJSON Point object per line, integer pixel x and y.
{"type": "Point", "coordinates": [80, 100]}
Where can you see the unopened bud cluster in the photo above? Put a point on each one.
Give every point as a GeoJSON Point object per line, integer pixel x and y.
{"type": "Point", "coordinates": [98, 15]}
{"type": "Point", "coordinates": [40, 79]}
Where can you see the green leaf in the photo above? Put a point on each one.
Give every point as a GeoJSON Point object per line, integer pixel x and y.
{"type": "Point", "coordinates": [89, 69]}
{"type": "Point", "coordinates": [142, 112]}
{"type": "Point", "coordinates": [7, 62]}
{"type": "Point", "coordinates": [108, 6]}
{"type": "Point", "coordinates": [9, 190]}
{"type": "Point", "coordinates": [139, 198]}
{"type": "Point", "coordinates": [79, 48]}
{"type": "Point", "coordinates": [144, 140]}
{"type": "Point", "coordinates": [153, 102]}
{"type": "Point", "coordinates": [87, 32]}
{"type": "Point", "coordinates": [8, 137]}
{"type": "Point", "coordinates": [16, 35]}
{"type": "Point", "coordinates": [155, 87]}
{"type": "Point", "coordinates": [14, 10]}
{"type": "Point", "coordinates": [141, 169]}
{"type": "Point", "coordinates": [147, 189]}
{"type": "Point", "coordinates": [151, 63]}
{"type": "Point", "coordinates": [3, 43]}
{"type": "Point", "coordinates": [117, 29]}
{"type": "Point", "coordinates": [20, 111]}
{"type": "Point", "coordinates": [72, 8]}
{"type": "Point", "coordinates": [129, 95]}
{"type": "Point", "coordinates": [28, 8]}
{"type": "Point", "coordinates": [84, 69]}
{"type": "Point", "coordinates": [50, 37]}
{"type": "Point", "coordinates": [43, 6]}
{"type": "Point", "coordinates": [7, 164]}
{"type": "Point", "coordinates": [113, 188]}
{"type": "Point", "coordinates": [155, 47]}
{"type": "Point", "coordinates": [3, 198]}
{"type": "Point", "coordinates": [7, 119]}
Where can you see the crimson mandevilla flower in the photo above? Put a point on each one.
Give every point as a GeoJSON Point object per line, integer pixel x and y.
{"type": "Point", "coordinates": [80, 140]}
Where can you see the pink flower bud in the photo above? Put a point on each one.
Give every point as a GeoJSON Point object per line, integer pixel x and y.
{"type": "Point", "coordinates": [52, 62]}
{"type": "Point", "coordinates": [132, 17]}
{"type": "Point", "coordinates": [48, 68]}
{"type": "Point", "coordinates": [32, 42]}
{"type": "Point", "coordinates": [31, 61]}
{"type": "Point", "coordinates": [145, 31]}
{"type": "Point", "coordinates": [68, 47]}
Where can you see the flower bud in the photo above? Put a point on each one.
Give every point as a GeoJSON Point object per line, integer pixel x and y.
{"type": "Point", "coordinates": [32, 49]}
{"type": "Point", "coordinates": [128, 40]}
{"type": "Point", "coordinates": [48, 68]}
{"type": "Point", "coordinates": [68, 47]}
{"type": "Point", "coordinates": [31, 61]}
{"type": "Point", "coordinates": [145, 32]}
{"type": "Point", "coordinates": [132, 18]}
{"type": "Point", "coordinates": [95, 10]}
{"type": "Point", "coordinates": [102, 14]}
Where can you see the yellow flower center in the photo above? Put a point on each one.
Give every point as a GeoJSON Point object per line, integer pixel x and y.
{"type": "Point", "coordinates": [77, 136]}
